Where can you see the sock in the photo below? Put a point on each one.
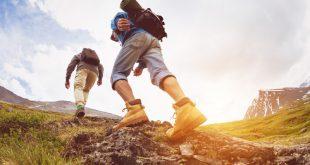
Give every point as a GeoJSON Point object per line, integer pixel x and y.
{"type": "Point", "coordinates": [80, 107]}
{"type": "Point", "coordinates": [183, 101]}
{"type": "Point", "coordinates": [135, 102]}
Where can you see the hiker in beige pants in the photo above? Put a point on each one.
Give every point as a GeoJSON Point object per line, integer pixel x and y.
{"type": "Point", "coordinates": [84, 81]}
{"type": "Point", "coordinates": [88, 70]}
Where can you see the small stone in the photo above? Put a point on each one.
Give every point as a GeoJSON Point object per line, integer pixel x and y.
{"type": "Point", "coordinates": [303, 130]}
{"type": "Point", "coordinates": [186, 150]}
{"type": "Point", "coordinates": [58, 125]}
{"type": "Point", "coordinates": [286, 159]}
{"type": "Point", "coordinates": [77, 121]}
{"type": "Point", "coordinates": [243, 160]}
{"type": "Point", "coordinates": [157, 122]}
{"type": "Point", "coordinates": [207, 160]}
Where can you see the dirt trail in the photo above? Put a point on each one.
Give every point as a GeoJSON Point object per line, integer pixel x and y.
{"type": "Point", "coordinates": [147, 144]}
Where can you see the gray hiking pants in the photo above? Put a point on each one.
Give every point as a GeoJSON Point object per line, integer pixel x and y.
{"type": "Point", "coordinates": [145, 48]}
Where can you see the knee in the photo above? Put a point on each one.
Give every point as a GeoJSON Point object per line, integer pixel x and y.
{"type": "Point", "coordinates": [86, 90]}
{"type": "Point", "coordinates": [78, 85]}
{"type": "Point", "coordinates": [168, 82]}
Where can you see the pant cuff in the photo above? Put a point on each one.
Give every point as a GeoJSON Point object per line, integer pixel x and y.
{"type": "Point", "coordinates": [116, 78]}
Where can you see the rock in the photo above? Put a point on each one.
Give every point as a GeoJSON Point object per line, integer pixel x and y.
{"type": "Point", "coordinates": [207, 160]}
{"type": "Point", "coordinates": [303, 130]}
{"type": "Point", "coordinates": [125, 146]}
{"type": "Point", "coordinates": [109, 131]}
{"type": "Point", "coordinates": [298, 154]}
{"type": "Point", "coordinates": [82, 138]}
{"type": "Point", "coordinates": [186, 150]}
{"type": "Point", "coordinates": [140, 145]}
{"type": "Point", "coordinates": [77, 121]}
{"type": "Point", "coordinates": [286, 159]}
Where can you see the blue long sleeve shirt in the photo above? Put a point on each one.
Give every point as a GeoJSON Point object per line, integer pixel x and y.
{"type": "Point", "coordinates": [122, 36]}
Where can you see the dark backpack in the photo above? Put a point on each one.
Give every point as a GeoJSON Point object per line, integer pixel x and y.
{"type": "Point", "coordinates": [89, 56]}
{"type": "Point", "coordinates": [150, 22]}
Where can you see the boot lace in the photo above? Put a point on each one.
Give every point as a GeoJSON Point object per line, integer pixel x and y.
{"type": "Point", "coordinates": [125, 109]}
{"type": "Point", "coordinates": [173, 117]}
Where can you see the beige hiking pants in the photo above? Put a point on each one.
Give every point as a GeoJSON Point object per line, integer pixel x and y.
{"type": "Point", "coordinates": [84, 81]}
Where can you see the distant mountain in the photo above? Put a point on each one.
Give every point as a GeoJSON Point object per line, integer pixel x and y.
{"type": "Point", "coordinates": [306, 83]}
{"type": "Point", "coordinates": [288, 126]}
{"type": "Point", "coordinates": [56, 106]}
{"type": "Point", "coordinates": [10, 97]}
{"type": "Point", "coordinates": [270, 101]}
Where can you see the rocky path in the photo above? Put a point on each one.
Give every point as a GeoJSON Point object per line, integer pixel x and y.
{"type": "Point", "coordinates": [147, 144]}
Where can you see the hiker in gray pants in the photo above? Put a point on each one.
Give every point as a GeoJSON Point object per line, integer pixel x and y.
{"type": "Point", "coordinates": [138, 46]}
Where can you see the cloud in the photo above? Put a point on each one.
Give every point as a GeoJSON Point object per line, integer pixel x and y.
{"type": "Point", "coordinates": [93, 16]}
{"type": "Point", "coordinates": [32, 43]}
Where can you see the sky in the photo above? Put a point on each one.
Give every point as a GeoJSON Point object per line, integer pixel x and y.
{"type": "Point", "coordinates": [221, 51]}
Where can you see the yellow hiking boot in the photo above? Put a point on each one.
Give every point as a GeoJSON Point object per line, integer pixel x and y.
{"type": "Point", "coordinates": [188, 117]}
{"type": "Point", "coordinates": [134, 115]}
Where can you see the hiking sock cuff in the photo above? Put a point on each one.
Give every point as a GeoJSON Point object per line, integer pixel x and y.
{"type": "Point", "coordinates": [183, 101]}
{"type": "Point", "coordinates": [135, 102]}
{"type": "Point", "coordinates": [80, 107]}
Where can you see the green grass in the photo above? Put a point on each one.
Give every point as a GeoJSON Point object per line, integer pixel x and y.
{"type": "Point", "coordinates": [35, 147]}
{"type": "Point", "coordinates": [27, 136]}
{"type": "Point", "coordinates": [25, 140]}
{"type": "Point", "coordinates": [281, 128]}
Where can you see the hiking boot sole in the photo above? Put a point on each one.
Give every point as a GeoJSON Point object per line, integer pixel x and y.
{"type": "Point", "coordinates": [80, 114]}
{"type": "Point", "coordinates": [140, 120]}
{"type": "Point", "coordinates": [183, 132]}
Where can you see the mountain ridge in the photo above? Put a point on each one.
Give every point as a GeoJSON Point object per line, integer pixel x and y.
{"type": "Point", "coordinates": [53, 106]}
{"type": "Point", "coordinates": [270, 101]}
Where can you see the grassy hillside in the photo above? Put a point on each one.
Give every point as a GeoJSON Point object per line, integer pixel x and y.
{"type": "Point", "coordinates": [25, 137]}
{"type": "Point", "coordinates": [37, 137]}
{"type": "Point", "coordinates": [289, 126]}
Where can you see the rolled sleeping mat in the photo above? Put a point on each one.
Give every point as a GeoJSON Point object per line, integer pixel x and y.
{"type": "Point", "coordinates": [130, 6]}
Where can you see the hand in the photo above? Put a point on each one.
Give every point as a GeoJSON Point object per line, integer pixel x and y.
{"type": "Point", "coordinates": [114, 36]}
{"type": "Point", "coordinates": [67, 84]}
{"type": "Point", "coordinates": [138, 71]}
{"type": "Point", "coordinates": [99, 83]}
{"type": "Point", "coordinates": [123, 24]}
